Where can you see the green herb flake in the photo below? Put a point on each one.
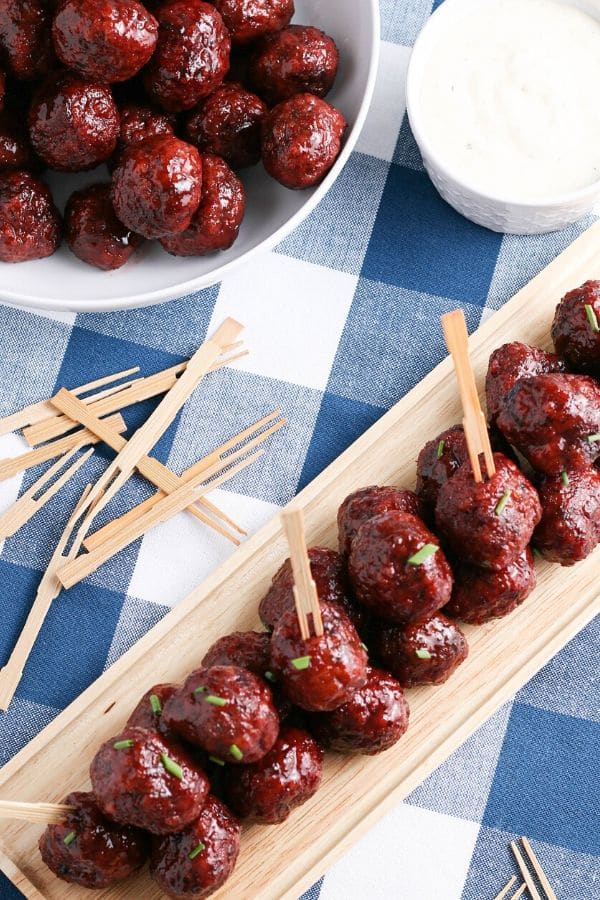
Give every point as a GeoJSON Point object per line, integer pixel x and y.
{"type": "Point", "coordinates": [364, 646]}
{"type": "Point", "coordinates": [216, 701]}
{"type": "Point", "coordinates": [423, 554]}
{"type": "Point", "coordinates": [564, 477]}
{"type": "Point", "coordinates": [197, 850]}
{"type": "Point", "coordinates": [217, 760]}
{"type": "Point", "coordinates": [270, 677]}
{"type": "Point", "coordinates": [155, 704]}
{"type": "Point", "coordinates": [200, 690]}
{"type": "Point", "coordinates": [536, 553]}
{"type": "Point", "coordinates": [171, 766]}
{"type": "Point", "coordinates": [591, 317]}
{"type": "Point", "coordinates": [502, 503]}
{"type": "Point", "coordinates": [440, 449]}
{"type": "Point", "coordinates": [301, 662]}
{"type": "Point", "coordinates": [70, 838]}
{"type": "Point", "coordinates": [123, 745]}
{"type": "Point", "coordinates": [236, 752]}
{"type": "Point", "coordinates": [422, 653]}
{"type": "Point", "coordinates": [594, 438]}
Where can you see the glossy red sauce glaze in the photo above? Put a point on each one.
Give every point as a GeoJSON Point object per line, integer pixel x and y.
{"type": "Point", "coordinates": [423, 652]}
{"type": "Point", "coordinates": [576, 328]}
{"type": "Point", "coordinates": [364, 504]}
{"type": "Point", "coordinates": [248, 20]}
{"type": "Point", "coordinates": [94, 233]}
{"type": "Point", "coordinates": [148, 712]}
{"type": "Point", "coordinates": [299, 59]}
{"type": "Point", "coordinates": [25, 37]}
{"type": "Point", "coordinates": [480, 595]}
{"type": "Point", "coordinates": [228, 123]}
{"type": "Point", "coordinates": [570, 527]}
{"type": "Point", "coordinates": [507, 365]}
{"type": "Point", "coordinates": [30, 224]}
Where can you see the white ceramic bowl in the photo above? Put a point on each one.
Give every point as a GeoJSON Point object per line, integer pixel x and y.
{"type": "Point", "coordinates": [62, 282]}
{"type": "Point", "coordinates": [503, 214]}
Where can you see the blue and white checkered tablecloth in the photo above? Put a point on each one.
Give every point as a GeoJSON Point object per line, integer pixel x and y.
{"type": "Point", "coordinates": [342, 319]}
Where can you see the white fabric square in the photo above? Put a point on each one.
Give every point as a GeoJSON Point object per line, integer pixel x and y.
{"type": "Point", "coordinates": [294, 313]}
{"type": "Point", "coordinates": [380, 134]}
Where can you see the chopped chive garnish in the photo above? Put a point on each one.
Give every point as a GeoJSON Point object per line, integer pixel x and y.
{"type": "Point", "coordinates": [591, 317]}
{"type": "Point", "coordinates": [123, 745]}
{"type": "Point", "coordinates": [217, 760]}
{"type": "Point", "coordinates": [421, 555]}
{"type": "Point", "coordinates": [70, 838]}
{"type": "Point", "coordinates": [155, 704]}
{"type": "Point", "coordinates": [564, 478]}
{"type": "Point", "coordinates": [502, 503]}
{"type": "Point", "coordinates": [440, 449]}
{"type": "Point", "coordinates": [200, 690]}
{"type": "Point", "coordinates": [364, 646]}
{"type": "Point", "coordinates": [301, 662]}
{"type": "Point", "coordinates": [197, 849]}
{"type": "Point", "coordinates": [536, 553]}
{"type": "Point", "coordinates": [171, 766]}
{"type": "Point", "coordinates": [593, 438]}
{"type": "Point", "coordinates": [269, 676]}
{"type": "Point", "coordinates": [236, 752]}
{"type": "Point", "coordinates": [422, 653]}
{"type": "Point", "coordinates": [216, 701]}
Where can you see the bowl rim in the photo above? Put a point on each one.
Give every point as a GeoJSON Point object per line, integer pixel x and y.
{"type": "Point", "coordinates": [413, 109]}
{"type": "Point", "coordinates": [174, 292]}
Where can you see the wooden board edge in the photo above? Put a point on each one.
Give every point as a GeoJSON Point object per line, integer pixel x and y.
{"type": "Point", "coordinates": [17, 876]}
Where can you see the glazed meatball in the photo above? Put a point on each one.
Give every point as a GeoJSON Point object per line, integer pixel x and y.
{"type": "Point", "coordinates": [94, 233]}
{"type": "Point", "coordinates": [507, 365]}
{"type": "Point", "coordinates": [576, 328]}
{"type": "Point", "coordinates": [327, 570]}
{"type": "Point", "coordinates": [2, 89]}
{"type": "Point", "coordinates": [216, 222]}
{"type": "Point", "coordinates": [372, 720]}
{"type": "Point", "coordinates": [148, 713]}
{"type": "Point", "coordinates": [16, 151]}
{"type": "Point", "coordinates": [368, 502]}
{"type": "Point", "coordinates": [73, 124]}
{"type": "Point", "coordinates": [300, 59]}
{"type": "Point", "coordinates": [570, 525]}
{"type": "Point", "coordinates": [423, 652]}
{"type": "Point", "coordinates": [397, 568]}
{"type": "Point", "coordinates": [247, 21]}
{"type": "Point", "coordinates": [195, 863]}
{"type": "Point", "coordinates": [30, 225]}
{"type": "Point", "coordinates": [318, 674]}
{"type": "Point", "coordinates": [550, 420]}
{"type": "Point", "coordinates": [156, 186]}
{"type": "Point", "coordinates": [480, 595]}
{"type": "Point", "coordinates": [488, 523]}
{"type": "Point", "coordinates": [438, 461]}
{"type": "Point", "coordinates": [228, 124]}
{"type": "Point", "coordinates": [285, 778]}
{"type": "Point", "coordinates": [89, 850]}
{"type": "Point", "coordinates": [140, 778]}
{"type": "Point", "coordinates": [104, 40]}
{"type": "Point", "coordinates": [25, 37]}
{"type": "Point", "coordinates": [301, 140]}
{"type": "Point", "coordinates": [139, 122]}
{"type": "Point", "coordinates": [227, 711]}
{"type": "Point", "coordinates": [249, 649]}
{"type": "Point", "coordinates": [192, 55]}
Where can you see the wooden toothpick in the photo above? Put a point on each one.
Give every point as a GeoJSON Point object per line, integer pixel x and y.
{"type": "Point", "coordinates": [538, 869]}
{"type": "Point", "coordinates": [36, 813]}
{"type": "Point", "coordinates": [506, 888]}
{"type": "Point", "coordinates": [535, 894]}
{"type": "Point", "coordinates": [474, 424]}
{"type": "Point", "coordinates": [305, 591]}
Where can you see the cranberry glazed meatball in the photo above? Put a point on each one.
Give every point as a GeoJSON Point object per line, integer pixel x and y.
{"type": "Point", "coordinates": [192, 55]}
{"type": "Point", "coordinates": [423, 652]}
{"type": "Point", "coordinates": [576, 328]}
{"type": "Point", "coordinates": [507, 365]}
{"type": "Point", "coordinates": [247, 21]}
{"type": "Point", "coordinates": [368, 502]}
{"type": "Point", "coordinates": [156, 186]}
{"type": "Point", "coordinates": [550, 420]}
{"type": "Point", "coordinates": [195, 863]}
{"type": "Point", "coordinates": [216, 222]}
{"type": "Point", "coordinates": [570, 526]}
{"type": "Point", "coordinates": [373, 719]}
{"type": "Point", "coordinates": [104, 40]}
{"type": "Point", "coordinates": [249, 649]}
{"type": "Point", "coordinates": [488, 523]}
{"type": "Point", "coordinates": [16, 151]}
{"type": "Point", "coordinates": [327, 570]}
{"type": "Point", "coordinates": [25, 37]}
{"type": "Point", "coordinates": [89, 850]}
{"type": "Point", "coordinates": [140, 778]}
{"type": "Point", "coordinates": [483, 594]}
{"type": "Point", "coordinates": [148, 712]}
{"type": "Point", "coordinates": [285, 778]}
{"type": "Point", "coordinates": [397, 568]}
{"type": "Point", "coordinates": [227, 711]}
{"type": "Point", "coordinates": [300, 59]}
{"type": "Point", "coordinates": [94, 233]}
{"type": "Point", "coordinates": [30, 225]}
{"type": "Point", "coordinates": [139, 122]}
{"type": "Point", "coordinates": [73, 124]}
{"type": "Point", "coordinates": [301, 140]}
{"type": "Point", "coordinates": [228, 124]}
{"type": "Point", "coordinates": [320, 673]}
{"type": "Point", "coordinates": [438, 461]}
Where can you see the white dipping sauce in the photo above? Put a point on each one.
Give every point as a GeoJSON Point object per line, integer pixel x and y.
{"type": "Point", "coordinates": [511, 98]}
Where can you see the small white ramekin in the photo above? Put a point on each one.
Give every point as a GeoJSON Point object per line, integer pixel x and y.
{"type": "Point", "coordinates": [495, 212]}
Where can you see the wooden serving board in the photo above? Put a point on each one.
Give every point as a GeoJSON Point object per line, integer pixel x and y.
{"type": "Point", "coordinates": [281, 861]}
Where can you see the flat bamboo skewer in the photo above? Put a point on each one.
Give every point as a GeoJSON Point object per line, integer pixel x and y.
{"type": "Point", "coordinates": [506, 888]}
{"type": "Point", "coordinates": [37, 412]}
{"type": "Point", "coordinates": [157, 473]}
{"type": "Point", "coordinates": [538, 869]}
{"type": "Point", "coordinates": [476, 433]}
{"type": "Point", "coordinates": [15, 464]}
{"type": "Point", "coordinates": [535, 894]}
{"type": "Point", "coordinates": [48, 589]}
{"type": "Point", "coordinates": [98, 537]}
{"type": "Point", "coordinates": [305, 591]}
{"type": "Point", "coordinates": [28, 504]}
{"type": "Point", "coordinates": [36, 813]}
{"type": "Point", "coordinates": [77, 569]}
